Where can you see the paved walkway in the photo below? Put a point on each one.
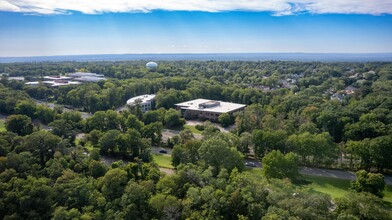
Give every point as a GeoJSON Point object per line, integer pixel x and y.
{"type": "Point", "coordinates": [65, 109]}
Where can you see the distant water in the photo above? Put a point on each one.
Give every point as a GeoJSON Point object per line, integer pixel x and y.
{"type": "Point", "coordinates": [322, 57]}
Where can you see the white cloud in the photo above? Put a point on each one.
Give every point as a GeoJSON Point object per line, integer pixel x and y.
{"type": "Point", "coordinates": [276, 7]}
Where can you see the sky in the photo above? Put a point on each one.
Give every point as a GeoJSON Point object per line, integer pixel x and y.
{"type": "Point", "coordinates": [74, 27]}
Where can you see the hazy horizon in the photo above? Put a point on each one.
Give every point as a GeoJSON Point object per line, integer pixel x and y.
{"type": "Point", "coordinates": [306, 57]}
{"type": "Point", "coordinates": [84, 27]}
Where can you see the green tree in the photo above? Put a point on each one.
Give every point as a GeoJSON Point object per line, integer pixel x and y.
{"type": "Point", "coordinates": [25, 108]}
{"type": "Point", "coordinates": [166, 206]}
{"type": "Point", "coordinates": [369, 182]}
{"type": "Point", "coordinates": [74, 191]}
{"type": "Point", "coordinates": [264, 141]}
{"type": "Point", "coordinates": [225, 120]}
{"type": "Point", "coordinates": [250, 119]}
{"type": "Point", "coordinates": [133, 122]}
{"type": "Point", "coordinates": [167, 98]}
{"type": "Point", "coordinates": [44, 114]}
{"type": "Point", "coordinates": [61, 128]}
{"type": "Point", "coordinates": [97, 168]}
{"type": "Point", "coordinates": [244, 143]}
{"type": "Point", "coordinates": [153, 132]}
{"type": "Point", "coordinates": [30, 198]}
{"type": "Point", "coordinates": [186, 153]}
{"type": "Point", "coordinates": [20, 124]}
{"type": "Point", "coordinates": [277, 165]}
{"type": "Point", "coordinates": [61, 213]}
{"type": "Point", "coordinates": [361, 206]}
{"type": "Point", "coordinates": [113, 183]}
{"type": "Point", "coordinates": [107, 142]}
{"type": "Point", "coordinates": [173, 118]}
{"type": "Point", "coordinates": [219, 154]}
{"type": "Point", "coordinates": [41, 144]}
{"type": "Point", "coordinates": [186, 135]}
{"type": "Point", "coordinates": [319, 147]}
{"type": "Point", "coordinates": [153, 116]}
{"type": "Point", "coordinates": [134, 201]}
{"type": "Point", "coordinates": [105, 121]}
{"type": "Point", "coordinates": [381, 151]}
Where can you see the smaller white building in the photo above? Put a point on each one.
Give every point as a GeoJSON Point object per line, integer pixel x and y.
{"type": "Point", "coordinates": [146, 102]}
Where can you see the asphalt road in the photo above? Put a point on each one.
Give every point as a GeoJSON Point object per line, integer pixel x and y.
{"type": "Point", "coordinates": [52, 105]}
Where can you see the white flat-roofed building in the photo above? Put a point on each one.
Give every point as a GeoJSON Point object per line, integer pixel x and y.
{"type": "Point", "coordinates": [80, 74]}
{"type": "Point", "coordinates": [36, 83]}
{"type": "Point", "coordinates": [60, 82]}
{"type": "Point", "coordinates": [86, 77]}
{"type": "Point", "coordinates": [57, 77]}
{"type": "Point", "coordinates": [146, 102]}
{"type": "Point", "coordinates": [208, 109]}
{"type": "Point", "coordinates": [16, 78]}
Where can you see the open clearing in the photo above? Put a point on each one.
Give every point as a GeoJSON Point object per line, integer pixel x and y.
{"type": "Point", "coordinates": [332, 186]}
{"type": "Point", "coordinates": [338, 187]}
{"type": "Point", "coordinates": [193, 129]}
{"type": "Point", "coordinates": [163, 160]}
{"type": "Point", "coordinates": [2, 125]}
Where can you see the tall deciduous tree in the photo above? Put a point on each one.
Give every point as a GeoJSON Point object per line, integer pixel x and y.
{"type": "Point", "coordinates": [220, 154]}
{"type": "Point", "coordinates": [20, 124]}
{"type": "Point", "coordinates": [277, 165]}
{"type": "Point", "coordinates": [369, 182]}
{"type": "Point", "coordinates": [173, 118]}
{"type": "Point", "coordinates": [41, 144]}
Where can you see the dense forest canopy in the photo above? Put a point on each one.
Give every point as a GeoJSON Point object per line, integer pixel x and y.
{"type": "Point", "coordinates": [54, 160]}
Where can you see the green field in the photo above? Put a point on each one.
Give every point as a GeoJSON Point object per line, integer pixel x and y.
{"type": "Point", "coordinates": [163, 160]}
{"type": "Point", "coordinates": [192, 128]}
{"type": "Point", "coordinates": [334, 187]}
{"type": "Point", "coordinates": [2, 126]}
{"type": "Point", "coordinates": [337, 187]}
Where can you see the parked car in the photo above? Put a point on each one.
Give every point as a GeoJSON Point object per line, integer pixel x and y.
{"type": "Point", "coordinates": [163, 151]}
{"type": "Point", "coordinates": [250, 164]}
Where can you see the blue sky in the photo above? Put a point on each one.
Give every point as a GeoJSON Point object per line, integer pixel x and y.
{"type": "Point", "coordinates": [54, 31]}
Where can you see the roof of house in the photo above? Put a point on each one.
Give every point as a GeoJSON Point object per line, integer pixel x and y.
{"type": "Point", "coordinates": [210, 106]}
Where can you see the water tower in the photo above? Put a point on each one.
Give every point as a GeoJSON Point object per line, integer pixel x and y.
{"type": "Point", "coordinates": [151, 65]}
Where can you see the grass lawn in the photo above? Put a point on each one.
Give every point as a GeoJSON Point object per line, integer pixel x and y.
{"type": "Point", "coordinates": [334, 187]}
{"type": "Point", "coordinates": [193, 129]}
{"type": "Point", "coordinates": [163, 160]}
{"type": "Point", "coordinates": [2, 126]}
{"type": "Point", "coordinates": [338, 188]}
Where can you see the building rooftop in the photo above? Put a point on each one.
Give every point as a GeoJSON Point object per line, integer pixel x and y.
{"type": "Point", "coordinates": [56, 77]}
{"type": "Point", "coordinates": [55, 83]}
{"type": "Point", "coordinates": [17, 78]}
{"type": "Point", "coordinates": [89, 79]}
{"type": "Point", "coordinates": [81, 74]}
{"type": "Point", "coordinates": [210, 106]}
{"type": "Point", "coordinates": [142, 98]}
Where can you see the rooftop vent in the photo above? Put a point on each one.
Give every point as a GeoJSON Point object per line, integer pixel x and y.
{"type": "Point", "coordinates": [209, 104]}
